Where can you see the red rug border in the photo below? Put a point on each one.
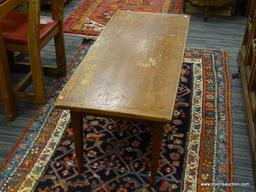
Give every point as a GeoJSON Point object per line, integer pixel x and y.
{"type": "Point", "coordinates": [35, 114]}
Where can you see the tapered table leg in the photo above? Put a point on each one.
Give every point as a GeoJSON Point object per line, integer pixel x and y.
{"type": "Point", "coordinates": [77, 126]}
{"type": "Point", "coordinates": [156, 146]}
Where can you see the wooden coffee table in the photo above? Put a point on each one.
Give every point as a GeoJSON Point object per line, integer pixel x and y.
{"type": "Point", "coordinates": [132, 71]}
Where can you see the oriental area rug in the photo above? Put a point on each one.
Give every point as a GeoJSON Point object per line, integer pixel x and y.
{"type": "Point", "coordinates": [196, 150]}
{"type": "Point", "coordinates": [91, 16]}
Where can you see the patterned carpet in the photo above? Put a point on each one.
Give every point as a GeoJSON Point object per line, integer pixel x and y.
{"type": "Point", "coordinates": [117, 152]}
{"type": "Point", "coordinates": [90, 17]}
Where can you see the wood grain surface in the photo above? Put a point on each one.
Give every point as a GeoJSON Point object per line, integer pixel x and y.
{"type": "Point", "coordinates": [132, 70]}
{"type": "Point", "coordinates": [7, 5]}
{"type": "Point", "coordinates": [1, 1]}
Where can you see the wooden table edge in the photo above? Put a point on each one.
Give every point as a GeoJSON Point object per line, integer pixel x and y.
{"type": "Point", "coordinates": [115, 114]}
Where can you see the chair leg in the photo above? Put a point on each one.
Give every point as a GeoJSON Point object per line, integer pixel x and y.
{"type": "Point", "coordinates": [184, 6]}
{"type": "Point", "coordinates": [10, 56]}
{"type": "Point", "coordinates": [5, 83]}
{"type": "Point", "coordinates": [206, 9]}
{"type": "Point", "coordinates": [60, 54]}
{"type": "Point", "coordinates": [37, 74]}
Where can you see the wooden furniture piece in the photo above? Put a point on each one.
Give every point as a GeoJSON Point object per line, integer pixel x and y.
{"type": "Point", "coordinates": [6, 90]}
{"type": "Point", "coordinates": [28, 33]}
{"type": "Point", "coordinates": [247, 66]}
{"type": "Point", "coordinates": [132, 71]}
{"type": "Point", "coordinates": [207, 4]}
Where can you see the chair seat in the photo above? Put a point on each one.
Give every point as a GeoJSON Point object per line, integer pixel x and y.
{"type": "Point", "coordinates": [15, 27]}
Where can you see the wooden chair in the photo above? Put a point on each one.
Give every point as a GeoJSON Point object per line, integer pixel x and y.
{"type": "Point", "coordinates": [28, 33]}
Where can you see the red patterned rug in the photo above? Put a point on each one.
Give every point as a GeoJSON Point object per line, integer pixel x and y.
{"type": "Point", "coordinates": [91, 16]}
{"type": "Point", "coordinates": [196, 153]}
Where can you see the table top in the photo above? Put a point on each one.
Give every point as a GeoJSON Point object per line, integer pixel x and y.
{"type": "Point", "coordinates": [132, 70]}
